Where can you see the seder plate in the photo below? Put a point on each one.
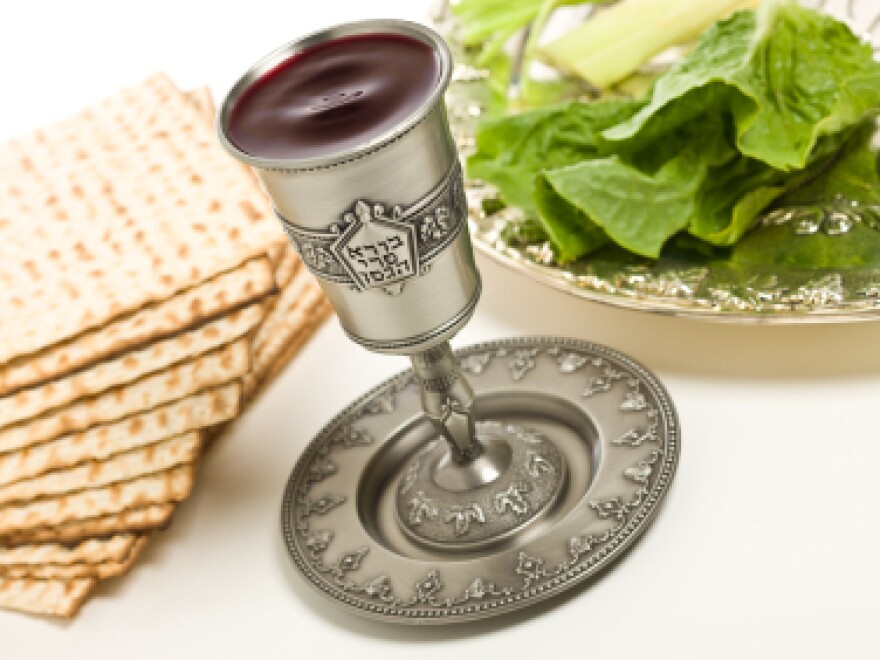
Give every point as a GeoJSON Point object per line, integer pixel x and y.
{"type": "Point", "coordinates": [609, 418]}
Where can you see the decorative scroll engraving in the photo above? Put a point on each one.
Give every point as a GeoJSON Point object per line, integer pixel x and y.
{"type": "Point", "coordinates": [537, 469]}
{"type": "Point", "coordinates": [612, 508]}
{"type": "Point", "coordinates": [381, 405]}
{"type": "Point", "coordinates": [536, 465]}
{"type": "Point", "coordinates": [318, 541]}
{"type": "Point", "coordinates": [429, 587]}
{"type": "Point", "coordinates": [436, 227]}
{"type": "Point", "coordinates": [324, 504]}
{"type": "Point", "coordinates": [481, 588]}
{"type": "Point", "coordinates": [476, 364]}
{"type": "Point", "coordinates": [348, 437]}
{"type": "Point", "coordinates": [634, 400]}
{"type": "Point", "coordinates": [422, 507]}
{"type": "Point", "coordinates": [522, 362]}
{"type": "Point", "coordinates": [317, 256]}
{"type": "Point", "coordinates": [512, 499]}
{"type": "Point", "coordinates": [351, 561]}
{"type": "Point", "coordinates": [378, 587]}
{"type": "Point", "coordinates": [570, 362]}
{"type": "Point", "coordinates": [641, 471]}
{"type": "Point", "coordinates": [529, 567]}
{"type": "Point", "coordinates": [603, 382]}
{"type": "Point", "coordinates": [321, 470]}
{"type": "Point", "coordinates": [463, 516]}
{"type": "Point", "coordinates": [637, 436]}
{"type": "Point", "coordinates": [376, 245]}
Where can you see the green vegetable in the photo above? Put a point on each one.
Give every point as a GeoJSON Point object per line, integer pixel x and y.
{"type": "Point", "coordinates": [735, 193]}
{"type": "Point", "coordinates": [570, 229]}
{"type": "Point", "coordinates": [484, 19]}
{"type": "Point", "coordinates": [512, 150]}
{"type": "Point", "coordinates": [524, 232]}
{"type": "Point", "coordinates": [635, 209]}
{"type": "Point", "coordinates": [853, 177]}
{"type": "Point", "coordinates": [486, 28]}
{"type": "Point", "coordinates": [787, 76]}
{"type": "Point", "coordinates": [781, 245]}
{"type": "Point", "coordinates": [490, 23]}
{"type": "Point", "coordinates": [761, 106]}
{"type": "Point", "coordinates": [612, 45]}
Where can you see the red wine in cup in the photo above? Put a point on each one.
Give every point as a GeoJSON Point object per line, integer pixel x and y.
{"type": "Point", "coordinates": [335, 96]}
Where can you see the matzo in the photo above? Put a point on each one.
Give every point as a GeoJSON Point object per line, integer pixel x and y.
{"type": "Point", "coordinates": [292, 311]}
{"type": "Point", "coordinates": [101, 570]}
{"type": "Point", "coordinates": [291, 315]}
{"type": "Point", "coordinates": [121, 206]}
{"type": "Point", "coordinates": [289, 297]}
{"type": "Point", "coordinates": [215, 368]}
{"type": "Point", "coordinates": [140, 519]}
{"type": "Point", "coordinates": [288, 266]}
{"type": "Point", "coordinates": [51, 597]}
{"type": "Point", "coordinates": [287, 336]}
{"type": "Point", "coordinates": [97, 443]}
{"type": "Point", "coordinates": [252, 281]}
{"type": "Point", "coordinates": [120, 467]}
{"type": "Point", "coordinates": [115, 548]}
{"type": "Point", "coordinates": [172, 485]}
{"type": "Point", "coordinates": [316, 316]}
{"type": "Point", "coordinates": [129, 367]}
{"type": "Point", "coordinates": [202, 101]}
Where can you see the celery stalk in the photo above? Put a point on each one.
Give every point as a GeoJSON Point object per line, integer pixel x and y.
{"type": "Point", "coordinates": [616, 42]}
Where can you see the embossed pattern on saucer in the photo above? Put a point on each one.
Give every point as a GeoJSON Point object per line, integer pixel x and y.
{"type": "Point", "coordinates": [610, 417]}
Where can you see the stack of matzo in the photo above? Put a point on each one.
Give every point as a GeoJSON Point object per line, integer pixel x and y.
{"type": "Point", "coordinates": [146, 293]}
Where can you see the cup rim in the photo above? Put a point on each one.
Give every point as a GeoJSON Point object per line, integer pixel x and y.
{"type": "Point", "coordinates": [292, 48]}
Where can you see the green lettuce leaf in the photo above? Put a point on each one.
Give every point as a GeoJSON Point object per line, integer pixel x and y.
{"type": "Point", "coordinates": [852, 176]}
{"type": "Point", "coordinates": [788, 75]}
{"type": "Point", "coordinates": [637, 210]}
{"type": "Point", "coordinates": [512, 150]}
{"type": "Point", "coordinates": [760, 108]}
{"type": "Point", "coordinates": [781, 245]}
{"type": "Point", "coordinates": [569, 229]}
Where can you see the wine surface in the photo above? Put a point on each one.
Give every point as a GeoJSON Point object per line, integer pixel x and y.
{"type": "Point", "coordinates": [335, 96]}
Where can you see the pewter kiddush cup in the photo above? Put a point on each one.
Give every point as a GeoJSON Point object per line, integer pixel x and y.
{"type": "Point", "coordinates": [422, 502]}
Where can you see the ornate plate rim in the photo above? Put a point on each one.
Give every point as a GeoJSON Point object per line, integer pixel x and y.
{"type": "Point", "coordinates": [560, 279]}
{"type": "Point", "coordinates": [624, 537]}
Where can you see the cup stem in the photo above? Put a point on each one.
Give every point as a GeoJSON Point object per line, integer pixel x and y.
{"type": "Point", "coordinates": [447, 399]}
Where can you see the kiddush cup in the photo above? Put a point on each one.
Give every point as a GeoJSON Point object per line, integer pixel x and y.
{"type": "Point", "coordinates": [380, 513]}
{"type": "Point", "coordinates": [381, 224]}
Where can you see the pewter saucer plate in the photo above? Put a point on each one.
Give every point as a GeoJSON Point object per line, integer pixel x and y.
{"type": "Point", "coordinates": [607, 415]}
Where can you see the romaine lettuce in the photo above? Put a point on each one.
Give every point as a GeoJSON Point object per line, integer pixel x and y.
{"type": "Point", "coordinates": [761, 106]}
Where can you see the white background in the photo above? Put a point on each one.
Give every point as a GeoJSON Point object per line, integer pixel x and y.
{"type": "Point", "coordinates": [767, 545]}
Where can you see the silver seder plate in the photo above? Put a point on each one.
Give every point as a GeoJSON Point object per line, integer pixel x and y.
{"type": "Point", "coordinates": [617, 437]}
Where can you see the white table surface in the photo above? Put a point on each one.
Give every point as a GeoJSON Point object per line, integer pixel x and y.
{"type": "Point", "coordinates": [767, 545]}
